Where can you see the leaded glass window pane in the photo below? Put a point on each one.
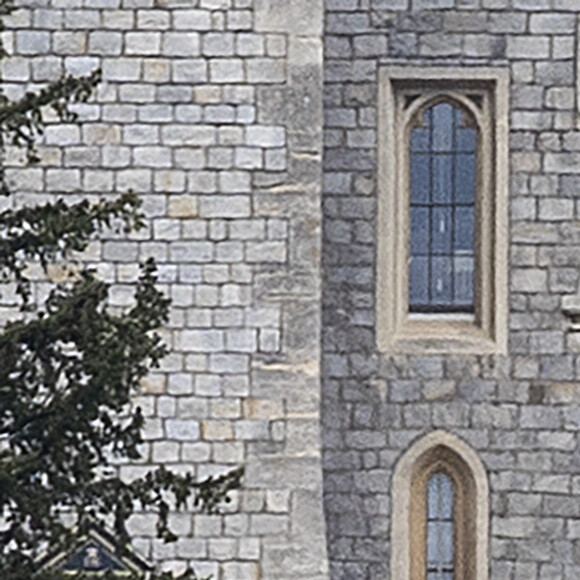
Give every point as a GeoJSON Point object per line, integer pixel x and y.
{"type": "Point", "coordinates": [421, 182]}
{"type": "Point", "coordinates": [439, 576]}
{"type": "Point", "coordinates": [419, 278]}
{"type": "Point", "coordinates": [441, 280]}
{"type": "Point", "coordinates": [440, 533]}
{"type": "Point", "coordinates": [442, 175]}
{"type": "Point", "coordinates": [442, 213]}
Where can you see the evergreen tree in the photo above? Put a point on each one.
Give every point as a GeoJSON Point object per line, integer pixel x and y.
{"type": "Point", "coordinates": [69, 366]}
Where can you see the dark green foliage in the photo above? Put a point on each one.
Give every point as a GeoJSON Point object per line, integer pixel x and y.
{"type": "Point", "coordinates": [188, 575]}
{"type": "Point", "coordinates": [69, 368]}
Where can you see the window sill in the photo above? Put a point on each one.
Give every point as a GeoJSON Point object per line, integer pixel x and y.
{"type": "Point", "coordinates": [441, 337]}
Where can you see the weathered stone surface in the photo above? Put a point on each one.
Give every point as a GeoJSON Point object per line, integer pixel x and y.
{"type": "Point", "coordinates": [213, 112]}
{"type": "Point", "coordinates": [517, 411]}
{"type": "Point", "coordinates": [302, 16]}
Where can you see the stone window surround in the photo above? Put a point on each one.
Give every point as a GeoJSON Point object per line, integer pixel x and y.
{"type": "Point", "coordinates": [440, 451]}
{"type": "Point", "coordinates": [397, 332]}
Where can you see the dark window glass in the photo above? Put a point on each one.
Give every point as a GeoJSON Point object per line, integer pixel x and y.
{"type": "Point", "coordinates": [442, 172]}
{"type": "Point", "coordinates": [419, 279]}
{"type": "Point", "coordinates": [464, 177]}
{"type": "Point", "coordinates": [463, 281]}
{"type": "Point", "coordinates": [464, 228]}
{"type": "Point", "coordinates": [440, 542]}
{"type": "Point", "coordinates": [441, 281]}
{"type": "Point", "coordinates": [421, 182]}
{"type": "Point", "coordinates": [442, 128]}
{"type": "Point", "coordinates": [420, 140]}
{"type": "Point", "coordinates": [419, 217]}
{"type": "Point", "coordinates": [441, 229]}
{"type": "Point", "coordinates": [442, 214]}
{"type": "Point", "coordinates": [465, 139]}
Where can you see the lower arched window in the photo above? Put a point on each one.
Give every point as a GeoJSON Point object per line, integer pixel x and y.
{"type": "Point", "coordinates": [440, 527]}
{"type": "Point", "coordinates": [440, 512]}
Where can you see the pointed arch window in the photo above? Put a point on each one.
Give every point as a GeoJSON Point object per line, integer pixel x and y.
{"type": "Point", "coordinates": [440, 533]}
{"type": "Point", "coordinates": [442, 227]}
{"type": "Point", "coordinates": [440, 512]}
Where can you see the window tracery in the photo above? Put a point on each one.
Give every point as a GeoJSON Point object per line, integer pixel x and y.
{"type": "Point", "coordinates": [440, 512]}
{"type": "Point", "coordinates": [443, 178]}
{"type": "Point", "coordinates": [443, 210]}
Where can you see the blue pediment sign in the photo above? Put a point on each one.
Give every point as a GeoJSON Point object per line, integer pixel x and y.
{"type": "Point", "coordinates": [94, 553]}
{"type": "Point", "coordinates": [92, 557]}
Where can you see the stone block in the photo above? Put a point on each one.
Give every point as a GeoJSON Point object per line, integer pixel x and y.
{"type": "Point", "coordinates": [192, 19]}
{"type": "Point", "coordinates": [229, 363]}
{"type": "Point", "coordinates": [540, 417]}
{"type": "Point", "coordinates": [241, 340]}
{"type": "Point", "coordinates": [546, 23]}
{"type": "Point", "coordinates": [466, 21]}
{"type": "Point", "coordinates": [513, 527]}
{"type": "Point", "coordinates": [289, 17]}
{"type": "Point", "coordinates": [250, 44]}
{"type": "Point", "coordinates": [118, 19]}
{"type": "Point", "coordinates": [367, 46]}
{"type": "Point", "coordinates": [189, 71]}
{"type": "Point", "coordinates": [234, 182]}
{"type": "Point", "coordinates": [266, 252]}
{"type": "Point", "coordinates": [200, 341]}
{"type": "Point", "coordinates": [563, 280]}
{"type": "Point", "coordinates": [562, 162]}
{"type": "Point", "coordinates": [546, 342]}
{"type": "Point", "coordinates": [218, 44]}
{"type": "Point", "coordinates": [226, 71]}
{"type": "Point", "coordinates": [484, 45]}
{"type": "Point", "coordinates": [32, 42]}
{"type": "Point", "coordinates": [432, 4]}
{"type": "Point", "coordinates": [528, 47]}
{"type": "Point", "coordinates": [240, 20]}
{"type": "Point", "coordinates": [184, 44]}
{"type": "Point", "coordinates": [165, 452]}
{"type": "Point", "coordinates": [532, 5]}
{"type": "Point", "coordinates": [390, 4]}
{"type": "Point", "coordinates": [265, 136]}
{"type": "Point", "coordinates": [142, 43]}
{"type": "Point", "coordinates": [452, 414]}
{"type": "Point", "coordinates": [529, 280]}
{"type": "Point", "coordinates": [440, 44]}
{"type": "Point", "coordinates": [266, 70]}
{"type": "Point", "coordinates": [76, 19]}
{"type": "Point", "coordinates": [560, 98]}
{"type": "Point", "coordinates": [214, 430]}
{"type": "Point", "coordinates": [181, 429]}
{"type": "Point", "coordinates": [554, 73]}
{"type": "Point", "coordinates": [122, 69]}
{"type": "Point", "coordinates": [240, 571]}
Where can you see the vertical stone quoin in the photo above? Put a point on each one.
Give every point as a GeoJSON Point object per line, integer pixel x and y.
{"type": "Point", "coordinates": [298, 106]}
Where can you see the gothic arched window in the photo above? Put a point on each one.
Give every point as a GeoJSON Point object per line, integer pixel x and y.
{"type": "Point", "coordinates": [440, 512]}
{"type": "Point", "coordinates": [440, 556]}
{"type": "Point", "coordinates": [442, 244]}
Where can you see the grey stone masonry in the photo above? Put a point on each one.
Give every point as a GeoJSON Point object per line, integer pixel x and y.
{"type": "Point", "coordinates": [521, 412]}
{"type": "Point", "coordinates": [216, 112]}
{"type": "Point", "coordinates": [211, 110]}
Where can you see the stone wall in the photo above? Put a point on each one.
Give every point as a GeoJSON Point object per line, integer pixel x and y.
{"type": "Point", "coordinates": [211, 111]}
{"type": "Point", "coordinates": [520, 413]}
